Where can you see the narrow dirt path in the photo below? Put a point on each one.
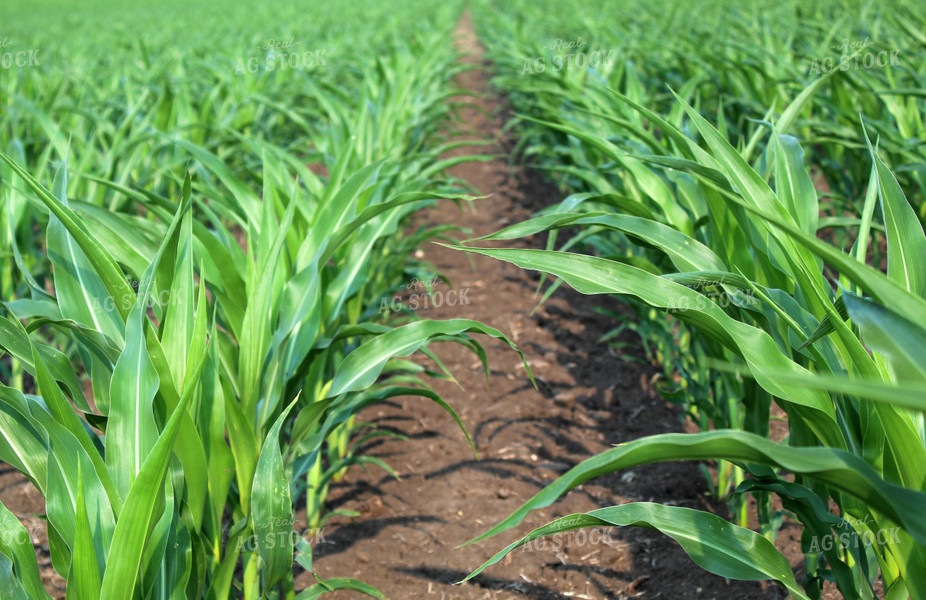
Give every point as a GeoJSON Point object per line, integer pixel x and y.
{"type": "Point", "coordinates": [404, 541]}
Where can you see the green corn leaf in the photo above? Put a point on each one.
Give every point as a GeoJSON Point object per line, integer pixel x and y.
{"type": "Point", "coordinates": [903, 394]}
{"type": "Point", "coordinates": [272, 507]}
{"type": "Point", "coordinates": [338, 583]}
{"type": "Point", "coordinates": [17, 546]}
{"type": "Point", "coordinates": [179, 312]}
{"type": "Point", "coordinates": [793, 184]}
{"type": "Point", "coordinates": [874, 283]}
{"type": "Point", "coordinates": [63, 414]}
{"type": "Point", "coordinates": [819, 524]}
{"type": "Point", "coordinates": [860, 249]}
{"type": "Point", "coordinates": [10, 586]}
{"type": "Point", "coordinates": [13, 339]}
{"type": "Point", "coordinates": [836, 468]}
{"type": "Point", "coordinates": [686, 253]}
{"type": "Point", "coordinates": [131, 431]}
{"type": "Point", "coordinates": [591, 275]}
{"type": "Point", "coordinates": [106, 268]}
{"type": "Point", "coordinates": [131, 534]}
{"type": "Point", "coordinates": [22, 445]}
{"type": "Point", "coordinates": [245, 448]}
{"type": "Point", "coordinates": [899, 339]}
{"type": "Point", "coordinates": [717, 546]}
{"type": "Point", "coordinates": [80, 292]}
{"type": "Point", "coordinates": [361, 367]}
{"type": "Point", "coordinates": [84, 577]}
{"type": "Point", "coordinates": [906, 242]}
{"type": "Point", "coordinates": [653, 187]}
{"type": "Point", "coordinates": [245, 198]}
{"type": "Point", "coordinates": [256, 335]}
{"type": "Point", "coordinates": [826, 325]}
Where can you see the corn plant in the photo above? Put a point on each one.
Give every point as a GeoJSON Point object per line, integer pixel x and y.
{"type": "Point", "coordinates": [843, 362]}
{"type": "Point", "coordinates": [559, 106]}
{"type": "Point", "coordinates": [170, 379]}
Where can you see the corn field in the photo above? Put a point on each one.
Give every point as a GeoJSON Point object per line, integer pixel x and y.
{"type": "Point", "coordinates": [205, 206]}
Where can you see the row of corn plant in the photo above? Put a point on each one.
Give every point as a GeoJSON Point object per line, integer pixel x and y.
{"type": "Point", "coordinates": [201, 319]}
{"type": "Point", "coordinates": [719, 227]}
{"type": "Point", "coordinates": [171, 395]}
{"type": "Point", "coordinates": [791, 36]}
{"type": "Point", "coordinates": [194, 89]}
{"type": "Point", "coordinates": [843, 359]}
{"type": "Point", "coordinates": [743, 60]}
